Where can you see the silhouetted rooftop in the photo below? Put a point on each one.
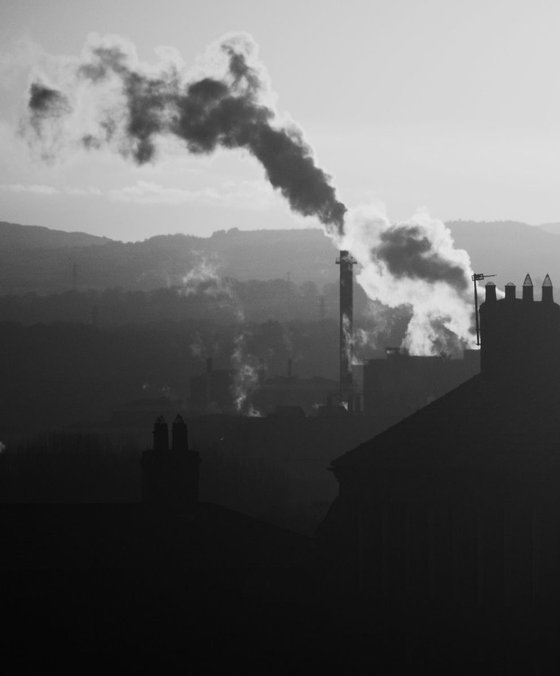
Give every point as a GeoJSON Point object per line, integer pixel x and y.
{"type": "Point", "coordinates": [480, 423]}
{"type": "Point", "coordinates": [43, 536]}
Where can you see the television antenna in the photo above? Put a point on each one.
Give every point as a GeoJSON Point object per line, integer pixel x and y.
{"type": "Point", "coordinates": [477, 277]}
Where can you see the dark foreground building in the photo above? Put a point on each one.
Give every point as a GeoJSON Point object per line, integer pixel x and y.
{"type": "Point", "coordinates": [448, 523]}
{"type": "Point", "coordinates": [168, 583]}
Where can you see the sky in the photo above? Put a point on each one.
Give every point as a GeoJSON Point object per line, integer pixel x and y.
{"type": "Point", "coordinates": [441, 105]}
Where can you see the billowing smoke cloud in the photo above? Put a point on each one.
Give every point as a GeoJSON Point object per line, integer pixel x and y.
{"type": "Point", "coordinates": [131, 108]}
{"type": "Point", "coordinates": [379, 326]}
{"type": "Point", "coordinates": [415, 264]}
{"type": "Point", "coordinates": [108, 99]}
{"type": "Point", "coordinates": [408, 252]}
{"type": "Point", "coordinates": [44, 101]}
{"type": "Point", "coordinates": [47, 103]}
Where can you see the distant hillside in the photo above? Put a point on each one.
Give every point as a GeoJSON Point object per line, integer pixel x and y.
{"type": "Point", "coordinates": [35, 259]}
{"type": "Point", "coordinates": [300, 255]}
{"type": "Point", "coordinates": [14, 236]}
{"type": "Point", "coordinates": [510, 250]}
{"type": "Point", "coordinates": [552, 228]}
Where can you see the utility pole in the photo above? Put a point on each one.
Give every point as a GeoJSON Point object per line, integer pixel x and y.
{"type": "Point", "coordinates": [477, 277]}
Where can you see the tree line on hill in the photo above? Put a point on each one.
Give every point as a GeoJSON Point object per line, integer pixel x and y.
{"type": "Point", "coordinates": [43, 261]}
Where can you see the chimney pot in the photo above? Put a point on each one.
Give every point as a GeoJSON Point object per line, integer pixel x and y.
{"type": "Point", "coordinates": [490, 292]}
{"type": "Point", "coordinates": [161, 434]}
{"type": "Point", "coordinates": [510, 291]}
{"type": "Point", "coordinates": [528, 289]}
{"type": "Point", "coordinates": [179, 435]}
{"type": "Point", "coordinates": [547, 294]}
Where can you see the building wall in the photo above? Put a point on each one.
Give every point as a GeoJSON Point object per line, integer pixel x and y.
{"type": "Point", "coordinates": [399, 385]}
{"type": "Point", "coordinates": [458, 539]}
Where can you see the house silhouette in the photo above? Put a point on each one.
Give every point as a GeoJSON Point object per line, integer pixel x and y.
{"type": "Point", "coordinates": [448, 523]}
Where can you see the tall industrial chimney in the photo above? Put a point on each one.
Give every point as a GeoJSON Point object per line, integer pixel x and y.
{"type": "Point", "coordinates": [346, 262]}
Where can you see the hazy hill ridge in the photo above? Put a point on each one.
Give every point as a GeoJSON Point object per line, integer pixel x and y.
{"type": "Point", "coordinates": [510, 250]}
{"type": "Point", "coordinates": [41, 260]}
{"type": "Point", "coordinates": [15, 236]}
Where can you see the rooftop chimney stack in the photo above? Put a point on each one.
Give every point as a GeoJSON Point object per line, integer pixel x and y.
{"type": "Point", "coordinates": [170, 479]}
{"type": "Point", "coordinates": [547, 295]}
{"type": "Point", "coordinates": [521, 337]}
{"type": "Point", "coordinates": [528, 289]}
{"type": "Point", "coordinates": [346, 262]}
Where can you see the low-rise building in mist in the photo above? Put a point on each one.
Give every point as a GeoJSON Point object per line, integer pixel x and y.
{"type": "Point", "coordinates": [399, 384]}
{"type": "Point", "coordinates": [307, 393]}
{"type": "Point", "coordinates": [213, 390]}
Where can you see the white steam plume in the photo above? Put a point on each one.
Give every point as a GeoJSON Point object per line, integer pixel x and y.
{"type": "Point", "coordinates": [245, 379]}
{"type": "Point", "coordinates": [415, 264]}
{"type": "Point", "coordinates": [203, 279]}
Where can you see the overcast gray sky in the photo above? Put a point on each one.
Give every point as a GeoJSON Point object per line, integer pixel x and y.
{"type": "Point", "coordinates": [448, 105]}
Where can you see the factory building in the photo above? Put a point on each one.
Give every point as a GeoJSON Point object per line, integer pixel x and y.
{"type": "Point", "coordinates": [212, 390]}
{"type": "Point", "coordinates": [290, 390]}
{"type": "Point", "coordinates": [399, 384]}
{"type": "Point", "coordinates": [457, 507]}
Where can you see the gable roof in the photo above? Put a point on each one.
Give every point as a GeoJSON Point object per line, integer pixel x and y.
{"type": "Point", "coordinates": [482, 423]}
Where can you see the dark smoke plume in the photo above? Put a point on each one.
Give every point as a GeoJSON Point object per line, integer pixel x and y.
{"type": "Point", "coordinates": [45, 102]}
{"type": "Point", "coordinates": [409, 252]}
{"type": "Point", "coordinates": [210, 112]}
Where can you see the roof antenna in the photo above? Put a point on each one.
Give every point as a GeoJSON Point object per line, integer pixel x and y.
{"type": "Point", "coordinates": [477, 277]}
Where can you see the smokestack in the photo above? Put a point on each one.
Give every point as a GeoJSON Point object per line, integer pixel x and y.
{"type": "Point", "coordinates": [346, 262]}
{"type": "Point", "coordinates": [510, 291]}
{"type": "Point", "coordinates": [547, 296]}
{"type": "Point", "coordinates": [528, 289]}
